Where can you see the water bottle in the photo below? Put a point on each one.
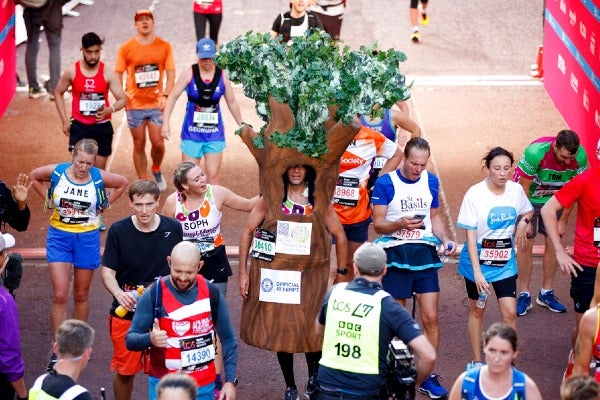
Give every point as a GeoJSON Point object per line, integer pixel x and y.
{"type": "Point", "coordinates": [443, 257]}
{"type": "Point", "coordinates": [482, 299]}
{"type": "Point", "coordinates": [121, 311]}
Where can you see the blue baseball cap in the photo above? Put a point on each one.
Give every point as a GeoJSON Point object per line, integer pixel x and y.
{"type": "Point", "coordinates": [206, 48]}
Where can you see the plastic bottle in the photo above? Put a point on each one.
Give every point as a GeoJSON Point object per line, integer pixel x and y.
{"type": "Point", "coordinates": [483, 295]}
{"type": "Point", "coordinates": [443, 257]}
{"type": "Point", "coordinates": [121, 311]}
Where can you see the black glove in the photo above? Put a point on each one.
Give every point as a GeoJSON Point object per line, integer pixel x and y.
{"type": "Point", "coordinates": [13, 272]}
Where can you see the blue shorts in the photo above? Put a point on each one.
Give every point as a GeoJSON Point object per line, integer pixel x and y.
{"type": "Point", "coordinates": [136, 118]}
{"type": "Point", "coordinates": [194, 149]}
{"type": "Point", "coordinates": [206, 392]}
{"type": "Point", "coordinates": [80, 249]}
{"type": "Point", "coordinates": [402, 283]}
{"type": "Point", "coordinates": [358, 232]}
{"type": "Point", "coordinates": [582, 289]}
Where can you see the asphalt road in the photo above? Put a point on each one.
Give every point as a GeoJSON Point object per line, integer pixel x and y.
{"type": "Point", "coordinates": [471, 92]}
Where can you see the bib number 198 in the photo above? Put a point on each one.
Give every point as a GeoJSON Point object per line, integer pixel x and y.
{"type": "Point", "coordinates": [345, 350]}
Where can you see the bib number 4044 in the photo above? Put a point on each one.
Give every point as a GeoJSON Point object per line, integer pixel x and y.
{"type": "Point", "coordinates": [345, 350]}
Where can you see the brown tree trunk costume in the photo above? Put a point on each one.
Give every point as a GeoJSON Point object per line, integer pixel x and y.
{"type": "Point", "coordinates": [291, 327]}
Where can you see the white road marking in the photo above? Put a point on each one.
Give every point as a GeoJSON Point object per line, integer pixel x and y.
{"type": "Point", "coordinates": [473, 80]}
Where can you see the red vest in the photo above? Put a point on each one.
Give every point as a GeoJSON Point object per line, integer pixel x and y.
{"type": "Point", "coordinates": [190, 331]}
{"type": "Point", "coordinates": [89, 93]}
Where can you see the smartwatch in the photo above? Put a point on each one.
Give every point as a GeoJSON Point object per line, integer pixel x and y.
{"type": "Point", "coordinates": [234, 381]}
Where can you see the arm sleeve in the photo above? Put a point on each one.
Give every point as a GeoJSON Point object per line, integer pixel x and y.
{"type": "Point", "coordinates": [383, 190]}
{"type": "Point", "coordinates": [403, 325]}
{"type": "Point", "coordinates": [11, 361]}
{"type": "Point", "coordinates": [138, 335]}
{"type": "Point", "coordinates": [277, 24]}
{"type": "Point", "coordinates": [467, 216]}
{"type": "Point", "coordinates": [228, 339]}
{"type": "Point", "coordinates": [110, 257]}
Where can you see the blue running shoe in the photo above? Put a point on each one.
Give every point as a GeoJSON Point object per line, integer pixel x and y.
{"type": "Point", "coordinates": [549, 301]}
{"type": "Point", "coordinates": [524, 303]}
{"type": "Point", "coordinates": [433, 388]}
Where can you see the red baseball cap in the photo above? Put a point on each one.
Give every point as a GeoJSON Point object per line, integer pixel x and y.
{"type": "Point", "coordinates": [141, 13]}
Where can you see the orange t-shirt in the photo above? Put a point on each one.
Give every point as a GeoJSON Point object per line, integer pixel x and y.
{"type": "Point", "coordinates": [145, 66]}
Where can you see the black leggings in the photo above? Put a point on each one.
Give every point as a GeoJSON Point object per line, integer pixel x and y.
{"type": "Point", "coordinates": [286, 362]}
{"type": "Point", "coordinates": [214, 21]}
{"type": "Point", "coordinates": [415, 3]}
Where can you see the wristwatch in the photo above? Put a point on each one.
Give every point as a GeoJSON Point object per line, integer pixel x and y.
{"type": "Point", "coordinates": [234, 381]}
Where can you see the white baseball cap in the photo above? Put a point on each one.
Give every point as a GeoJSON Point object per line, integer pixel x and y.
{"type": "Point", "coordinates": [6, 241]}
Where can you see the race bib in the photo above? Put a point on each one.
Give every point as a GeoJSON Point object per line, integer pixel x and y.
{"type": "Point", "coordinates": [196, 351]}
{"type": "Point", "coordinates": [205, 244]}
{"type": "Point", "coordinates": [263, 245]}
{"type": "Point", "coordinates": [597, 232]}
{"type": "Point", "coordinates": [495, 252]}
{"type": "Point", "coordinates": [147, 75]}
{"type": "Point", "coordinates": [90, 103]}
{"type": "Point", "coordinates": [204, 116]}
{"type": "Point", "coordinates": [409, 234]}
{"type": "Point", "coordinates": [346, 191]}
{"type": "Point", "coordinates": [379, 162]}
{"type": "Point", "coordinates": [73, 211]}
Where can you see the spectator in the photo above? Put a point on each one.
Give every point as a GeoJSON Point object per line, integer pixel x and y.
{"type": "Point", "coordinates": [208, 12]}
{"type": "Point", "coordinates": [12, 367]}
{"type": "Point", "coordinates": [49, 17]}
{"type": "Point", "coordinates": [13, 204]}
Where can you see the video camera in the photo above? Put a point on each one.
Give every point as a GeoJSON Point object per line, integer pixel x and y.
{"type": "Point", "coordinates": [401, 374]}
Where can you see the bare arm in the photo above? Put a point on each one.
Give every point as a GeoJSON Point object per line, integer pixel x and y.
{"type": "Point", "coordinates": [439, 230]}
{"type": "Point", "coordinates": [170, 74]}
{"type": "Point", "coordinates": [170, 204]}
{"type": "Point", "coordinates": [225, 197]}
{"type": "Point", "coordinates": [255, 218]}
{"type": "Point", "coordinates": [424, 357]}
{"type": "Point", "coordinates": [116, 88]}
{"type": "Point", "coordinates": [178, 88]}
{"type": "Point", "coordinates": [596, 297]}
{"type": "Point", "coordinates": [402, 120]}
{"type": "Point", "coordinates": [392, 163]}
{"type": "Point", "coordinates": [109, 279]}
{"type": "Point", "coordinates": [61, 87]}
{"type": "Point", "coordinates": [39, 177]}
{"type": "Point", "coordinates": [565, 262]}
{"type": "Point", "coordinates": [480, 280]}
{"type": "Point", "coordinates": [231, 101]}
{"type": "Point", "coordinates": [456, 391]}
{"type": "Point", "coordinates": [117, 183]}
{"type": "Point", "coordinates": [584, 344]}
{"type": "Point", "coordinates": [334, 226]}
{"type": "Point", "coordinates": [531, 390]}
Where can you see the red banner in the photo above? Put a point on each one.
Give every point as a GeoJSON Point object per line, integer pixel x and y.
{"type": "Point", "coordinates": [8, 72]}
{"type": "Point", "coordinates": [572, 66]}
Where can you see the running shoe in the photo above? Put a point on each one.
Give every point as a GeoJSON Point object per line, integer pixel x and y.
{"type": "Point", "coordinates": [524, 303]}
{"type": "Point", "coordinates": [424, 19]}
{"type": "Point", "coordinates": [102, 225]}
{"type": "Point", "coordinates": [415, 36]}
{"type": "Point", "coordinates": [36, 93]}
{"type": "Point", "coordinates": [160, 181]}
{"type": "Point", "coordinates": [549, 301]}
{"type": "Point", "coordinates": [433, 388]}
{"type": "Point", "coordinates": [291, 394]}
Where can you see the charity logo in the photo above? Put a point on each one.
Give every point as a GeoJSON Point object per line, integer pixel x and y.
{"type": "Point", "coordinates": [181, 327]}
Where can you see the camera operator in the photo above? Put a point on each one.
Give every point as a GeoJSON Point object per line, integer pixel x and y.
{"type": "Point", "coordinates": [358, 320]}
{"type": "Point", "coordinates": [15, 213]}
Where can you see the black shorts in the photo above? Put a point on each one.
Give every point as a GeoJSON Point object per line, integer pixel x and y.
{"type": "Point", "coordinates": [216, 266]}
{"type": "Point", "coordinates": [331, 23]}
{"type": "Point", "coordinates": [358, 232]}
{"type": "Point", "coordinates": [101, 133]}
{"type": "Point", "coordinates": [506, 287]}
{"type": "Point", "coordinates": [582, 289]}
{"type": "Point", "coordinates": [537, 223]}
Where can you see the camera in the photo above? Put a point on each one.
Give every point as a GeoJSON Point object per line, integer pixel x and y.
{"type": "Point", "coordinates": [402, 373]}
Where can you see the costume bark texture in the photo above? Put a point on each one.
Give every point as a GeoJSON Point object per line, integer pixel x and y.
{"type": "Point", "coordinates": [290, 327]}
